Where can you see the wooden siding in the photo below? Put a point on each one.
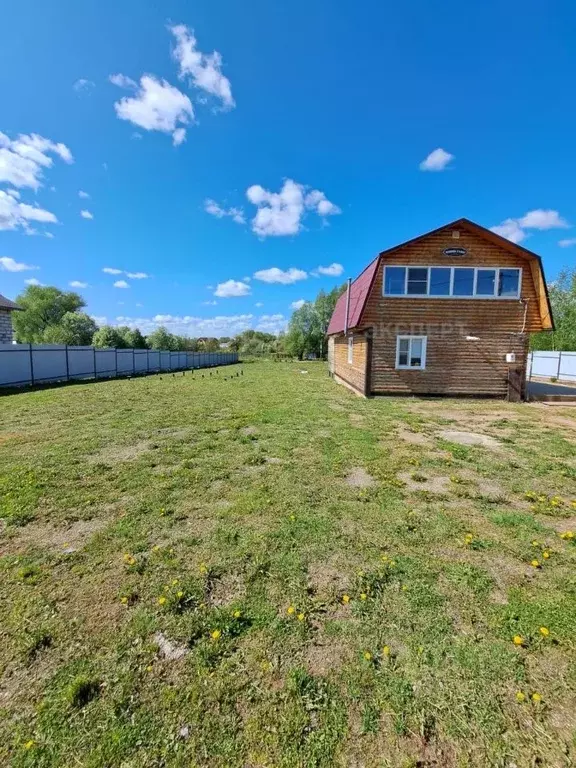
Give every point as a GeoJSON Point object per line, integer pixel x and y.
{"type": "Point", "coordinates": [354, 373]}
{"type": "Point", "coordinates": [454, 365]}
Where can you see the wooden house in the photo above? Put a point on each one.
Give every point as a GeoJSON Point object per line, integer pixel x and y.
{"type": "Point", "coordinates": [447, 313]}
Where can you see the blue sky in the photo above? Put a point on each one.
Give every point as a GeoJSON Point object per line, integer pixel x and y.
{"type": "Point", "coordinates": [305, 146]}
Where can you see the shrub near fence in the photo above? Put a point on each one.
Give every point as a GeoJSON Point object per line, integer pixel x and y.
{"type": "Point", "coordinates": [23, 364]}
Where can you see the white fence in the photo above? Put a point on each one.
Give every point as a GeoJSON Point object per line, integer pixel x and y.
{"type": "Point", "coordinates": [553, 365]}
{"type": "Point", "coordinates": [22, 364]}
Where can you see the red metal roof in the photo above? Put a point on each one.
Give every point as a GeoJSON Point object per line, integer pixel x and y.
{"type": "Point", "coordinates": [359, 290]}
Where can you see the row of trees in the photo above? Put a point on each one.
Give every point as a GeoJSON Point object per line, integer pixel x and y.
{"type": "Point", "coordinates": [563, 299]}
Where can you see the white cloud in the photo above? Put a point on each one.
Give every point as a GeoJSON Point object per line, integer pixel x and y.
{"type": "Point", "coordinates": [156, 106]}
{"type": "Point", "coordinates": [137, 275]}
{"type": "Point", "coordinates": [17, 215]}
{"type": "Point", "coordinates": [33, 281]}
{"type": "Point", "coordinates": [281, 213]}
{"type": "Point", "coordinates": [437, 160]}
{"type": "Point", "coordinates": [333, 270]}
{"type": "Point", "coordinates": [82, 85]}
{"type": "Point", "coordinates": [221, 325]}
{"type": "Point", "coordinates": [515, 229]}
{"type": "Point", "coordinates": [259, 304]}
{"type": "Point", "coordinates": [86, 215]}
{"type": "Point", "coordinates": [214, 209]}
{"type": "Point", "coordinates": [271, 324]}
{"type": "Point", "coordinates": [77, 284]}
{"type": "Point", "coordinates": [231, 288]}
{"type": "Point", "coordinates": [23, 160]}
{"type": "Point", "coordinates": [204, 70]}
{"type": "Point", "coordinates": [8, 264]}
{"type": "Point", "coordinates": [83, 195]}
{"type": "Point", "coordinates": [567, 242]}
{"type": "Point", "coordinates": [121, 284]}
{"type": "Point", "coordinates": [112, 271]}
{"type": "Point", "coordinates": [210, 303]}
{"type": "Point", "coordinates": [283, 276]}
{"type": "Point", "coordinates": [298, 304]}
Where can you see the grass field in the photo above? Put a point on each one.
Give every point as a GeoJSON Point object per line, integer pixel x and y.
{"type": "Point", "coordinates": [270, 571]}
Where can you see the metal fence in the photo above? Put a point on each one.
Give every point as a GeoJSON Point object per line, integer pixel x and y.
{"type": "Point", "coordinates": [22, 364]}
{"type": "Point", "coordinates": [553, 365]}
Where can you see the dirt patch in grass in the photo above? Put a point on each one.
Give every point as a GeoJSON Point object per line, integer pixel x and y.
{"type": "Point", "coordinates": [470, 438]}
{"type": "Point", "coordinates": [41, 536]}
{"type": "Point", "coordinates": [168, 649]}
{"type": "Point", "coordinates": [226, 589]}
{"type": "Point", "coordinates": [328, 579]}
{"type": "Point", "coordinates": [436, 484]}
{"type": "Point", "coordinates": [356, 419]}
{"type": "Point", "coordinates": [250, 430]}
{"type": "Point", "coordinates": [326, 655]}
{"type": "Point", "coordinates": [565, 524]}
{"type": "Point", "coordinates": [414, 438]}
{"type": "Point", "coordinates": [359, 478]}
{"type": "Point", "coordinates": [113, 453]}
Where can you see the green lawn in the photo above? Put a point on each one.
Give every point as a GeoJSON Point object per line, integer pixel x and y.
{"type": "Point", "coordinates": [270, 571]}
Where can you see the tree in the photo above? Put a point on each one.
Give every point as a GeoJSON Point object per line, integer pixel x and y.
{"type": "Point", "coordinates": [75, 329]}
{"type": "Point", "coordinates": [108, 336]}
{"type": "Point", "coordinates": [563, 299]}
{"type": "Point", "coordinates": [161, 339]}
{"type": "Point", "coordinates": [308, 325]}
{"type": "Point", "coordinates": [43, 307]}
{"type": "Point", "coordinates": [131, 337]}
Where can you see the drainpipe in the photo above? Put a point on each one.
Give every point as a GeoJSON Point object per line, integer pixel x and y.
{"type": "Point", "coordinates": [347, 307]}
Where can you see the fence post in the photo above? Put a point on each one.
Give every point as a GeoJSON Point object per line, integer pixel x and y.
{"type": "Point", "coordinates": [67, 365]}
{"type": "Point", "coordinates": [147, 361]}
{"type": "Point", "coordinates": [559, 365]}
{"type": "Point", "coordinates": [133, 362]}
{"type": "Point", "coordinates": [31, 364]}
{"type": "Point", "coordinates": [94, 361]}
{"type": "Point", "coordinates": [116, 360]}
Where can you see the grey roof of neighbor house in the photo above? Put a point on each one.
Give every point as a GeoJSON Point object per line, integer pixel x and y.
{"type": "Point", "coordinates": [7, 304]}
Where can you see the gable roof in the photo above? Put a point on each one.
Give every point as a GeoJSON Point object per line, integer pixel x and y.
{"type": "Point", "coordinates": [359, 291]}
{"type": "Point", "coordinates": [361, 286]}
{"type": "Point", "coordinates": [7, 304]}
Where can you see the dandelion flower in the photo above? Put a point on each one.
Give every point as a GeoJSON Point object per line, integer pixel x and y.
{"type": "Point", "coordinates": [535, 543]}
{"type": "Point", "coordinates": [29, 744]}
{"type": "Point", "coordinates": [386, 650]}
{"type": "Point", "coordinates": [203, 568]}
{"type": "Point", "coordinates": [156, 548]}
{"type": "Point", "coordinates": [546, 555]}
{"type": "Point", "coordinates": [124, 600]}
{"type": "Point", "coordinates": [535, 564]}
{"type": "Point", "coordinates": [567, 535]}
{"type": "Point", "coordinates": [518, 640]}
{"type": "Point", "coordinates": [291, 610]}
{"type": "Point", "coordinates": [179, 594]}
{"type": "Point", "coordinates": [301, 617]}
{"type": "Point", "coordinates": [129, 559]}
{"type": "Point", "coordinates": [161, 600]}
{"type": "Point", "coordinates": [367, 655]}
{"type": "Point", "coordinates": [345, 599]}
{"type": "Point", "coordinates": [363, 596]}
{"type": "Point", "coordinates": [216, 634]}
{"type": "Point", "coordinates": [149, 668]}
{"type": "Point", "coordinates": [174, 582]}
{"type": "Point", "coordinates": [520, 697]}
{"type": "Point", "coordinates": [536, 698]}
{"type": "Point", "coordinates": [544, 631]}
{"type": "Point", "coordinates": [292, 517]}
{"type": "Point", "coordinates": [237, 614]}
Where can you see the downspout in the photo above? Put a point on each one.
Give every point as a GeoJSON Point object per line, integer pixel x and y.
{"type": "Point", "coordinates": [347, 307]}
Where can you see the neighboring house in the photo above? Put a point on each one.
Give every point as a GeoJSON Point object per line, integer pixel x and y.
{"type": "Point", "coordinates": [6, 309]}
{"type": "Point", "coordinates": [448, 313]}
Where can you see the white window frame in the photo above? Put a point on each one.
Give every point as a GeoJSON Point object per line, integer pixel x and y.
{"type": "Point", "coordinates": [453, 268]}
{"type": "Point", "coordinates": [351, 349]}
{"type": "Point", "coordinates": [422, 366]}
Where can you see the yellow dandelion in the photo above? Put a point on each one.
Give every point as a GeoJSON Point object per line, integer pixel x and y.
{"type": "Point", "coordinates": [404, 587]}
{"type": "Point", "coordinates": [291, 610]}
{"type": "Point", "coordinates": [203, 568]}
{"type": "Point", "coordinates": [345, 599]}
{"type": "Point", "coordinates": [174, 582]}
{"type": "Point", "coordinates": [161, 600]}
{"type": "Point", "coordinates": [536, 698]}
{"type": "Point", "coordinates": [535, 543]}
{"type": "Point", "coordinates": [237, 614]}
{"type": "Point", "coordinates": [573, 503]}
{"type": "Point", "coordinates": [520, 696]}
{"type": "Point", "coordinates": [546, 555]}
{"type": "Point", "coordinates": [124, 600]}
{"type": "Point", "coordinates": [363, 596]}
{"type": "Point", "coordinates": [179, 594]}
{"type": "Point", "coordinates": [518, 640]}
{"type": "Point", "coordinates": [292, 517]}
{"type": "Point", "coordinates": [367, 655]}
{"type": "Point", "coordinates": [156, 548]}
{"type": "Point", "coordinates": [384, 558]}
{"type": "Point", "coordinates": [149, 668]}
{"type": "Point", "coordinates": [216, 634]}
{"type": "Point", "coordinates": [392, 563]}
{"type": "Point", "coordinates": [544, 631]}
{"type": "Point", "coordinates": [567, 535]}
{"type": "Point", "coordinates": [129, 559]}
{"type": "Point", "coordinates": [29, 744]}
{"type": "Point", "coordinates": [386, 650]}
{"type": "Point", "coordinates": [301, 617]}
{"type": "Point", "coordinates": [535, 564]}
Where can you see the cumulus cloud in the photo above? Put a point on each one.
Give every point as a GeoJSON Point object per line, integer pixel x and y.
{"type": "Point", "coordinates": [271, 324]}
{"type": "Point", "coordinates": [131, 275]}
{"type": "Point", "coordinates": [33, 281]}
{"type": "Point", "coordinates": [86, 215]}
{"type": "Point", "coordinates": [283, 276]}
{"type": "Point", "coordinates": [203, 70]}
{"type": "Point", "coordinates": [9, 264]}
{"type": "Point", "coordinates": [567, 242]}
{"type": "Point", "coordinates": [231, 288]}
{"type": "Point", "coordinates": [82, 85]}
{"type": "Point", "coordinates": [437, 160]}
{"type": "Point", "coordinates": [541, 219]}
{"type": "Point", "coordinates": [77, 284]}
{"type": "Point", "coordinates": [16, 215]}
{"type": "Point", "coordinates": [220, 325]}
{"type": "Point", "coordinates": [214, 209]}
{"type": "Point", "coordinates": [23, 160]}
{"type": "Point", "coordinates": [281, 213]}
{"type": "Point", "coordinates": [332, 270]}
{"type": "Point", "coordinates": [298, 304]}
{"type": "Point", "coordinates": [111, 271]}
{"type": "Point", "coordinates": [121, 284]}
{"type": "Point", "coordinates": [137, 275]}
{"type": "Point", "coordinates": [259, 304]}
{"type": "Point", "coordinates": [156, 106]}
{"type": "Point", "coordinates": [83, 195]}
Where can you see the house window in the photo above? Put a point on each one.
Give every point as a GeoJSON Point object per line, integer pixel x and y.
{"type": "Point", "coordinates": [460, 282]}
{"type": "Point", "coordinates": [350, 349]}
{"type": "Point", "coordinates": [411, 352]}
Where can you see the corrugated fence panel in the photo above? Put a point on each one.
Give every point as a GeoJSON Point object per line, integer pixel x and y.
{"type": "Point", "coordinates": [568, 366]}
{"type": "Point", "coordinates": [553, 365]}
{"type": "Point", "coordinates": [22, 364]}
